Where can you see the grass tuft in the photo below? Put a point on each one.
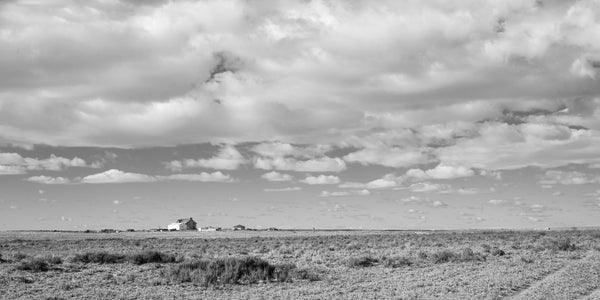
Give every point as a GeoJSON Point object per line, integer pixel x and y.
{"type": "Point", "coordinates": [34, 265]}
{"type": "Point", "coordinates": [361, 261]}
{"type": "Point", "coordinates": [396, 261]}
{"type": "Point", "coordinates": [230, 270]}
{"type": "Point", "coordinates": [152, 257]}
{"type": "Point", "coordinates": [99, 258]}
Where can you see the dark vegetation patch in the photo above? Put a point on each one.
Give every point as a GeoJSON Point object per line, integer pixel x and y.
{"type": "Point", "coordinates": [115, 258]}
{"type": "Point", "coordinates": [232, 270]}
{"type": "Point", "coordinates": [39, 264]}
{"type": "Point", "coordinates": [556, 244]}
{"type": "Point", "coordinates": [99, 258]}
{"type": "Point", "coordinates": [465, 255]}
{"type": "Point", "coordinates": [361, 261]}
{"type": "Point", "coordinates": [152, 257]}
{"type": "Point", "coordinates": [396, 261]}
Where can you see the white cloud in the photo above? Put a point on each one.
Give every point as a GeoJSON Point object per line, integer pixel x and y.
{"type": "Point", "coordinates": [217, 176]}
{"type": "Point", "coordinates": [116, 176]}
{"type": "Point", "coordinates": [279, 149]}
{"type": "Point", "coordinates": [12, 170]}
{"type": "Point", "coordinates": [321, 179]}
{"type": "Point", "coordinates": [552, 177]}
{"type": "Point", "coordinates": [496, 201]}
{"type": "Point", "coordinates": [228, 158]}
{"type": "Point", "coordinates": [285, 72]}
{"type": "Point", "coordinates": [387, 181]}
{"type": "Point", "coordinates": [352, 185]}
{"type": "Point", "coordinates": [363, 192]}
{"type": "Point", "coordinates": [438, 203]}
{"type": "Point", "coordinates": [320, 164]}
{"type": "Point", "coordinates": [421, 187]}
{"type": "Point", "coordinates": [49, 180]}
{"type": "Point", "coordinates": [276, 176]}
{"type": "Point", "coordinates": [389, 157]}
{"type": "Point", "coordinates": [286, 189]}
{"type": "Point", "coordinates": [14, 163]}
{"type": "Point", "coordinates": [467, 90]}
{"type": "Point", "coordinates": [501, 146]}
{"type": "Point", "coordinates": [441, 171]}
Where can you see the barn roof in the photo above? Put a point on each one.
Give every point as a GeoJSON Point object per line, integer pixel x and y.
{"type": "Point", "coordinates": [185, 220]}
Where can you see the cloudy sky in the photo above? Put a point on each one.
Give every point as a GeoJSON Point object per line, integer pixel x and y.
{"type": "Point", "coordinates": [328, 114]}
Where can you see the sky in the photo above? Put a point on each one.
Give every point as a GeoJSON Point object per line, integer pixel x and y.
{"type": "Point", "coordinates": [348, 114]}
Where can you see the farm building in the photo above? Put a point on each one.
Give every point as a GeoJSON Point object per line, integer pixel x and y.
{"type": "Point", "coordinates": [239, 227]}
{"type": "Point", "coordinates": [209, 228]}
{"type": "Point", "coordinates": [182, 224]}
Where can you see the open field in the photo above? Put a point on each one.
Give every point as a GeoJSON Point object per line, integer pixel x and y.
{"type": "Point", "coordinates": [301, 265]}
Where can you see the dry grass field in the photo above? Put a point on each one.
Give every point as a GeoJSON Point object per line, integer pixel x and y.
{"type": "Point", "coordinates": [301, 265]}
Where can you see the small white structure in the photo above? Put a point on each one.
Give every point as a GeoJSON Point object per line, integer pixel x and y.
{"type": "Point", "coordinates": [209, 228]}
{"type": "Point", "coordinates": [182, 224]}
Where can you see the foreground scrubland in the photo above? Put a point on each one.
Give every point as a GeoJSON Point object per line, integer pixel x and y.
{"type": "Point", "coordinates": [301, 265]}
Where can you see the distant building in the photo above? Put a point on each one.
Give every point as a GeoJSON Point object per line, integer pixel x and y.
{"type": "Point", "coordinates": [239, 227]}
{"type": "Point", "coordinates": [182, 224]}
{"type": "Point", "coordinates": [272, 229]}
{"type": "Point", "coordinates": [209, 228]}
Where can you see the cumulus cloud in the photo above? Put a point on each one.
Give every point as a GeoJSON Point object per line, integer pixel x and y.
{"type": "Point", "coordinates": [321, 179]}
{"type": "Point", "coordinates": [200, 177]}
{"type": "Point", "coordinates": [49, 180]}
{"type": "Point", "coordinates": [14, 163]}
{"type": "Point", "coordinates": [231, 70]}
{"type": "Point", "coordinates": [286, 189]}
{"type": "Point", "coordinates": [279, 149]}
{"type": "Point", "coordinates": [363, 192]}
{"type": "Point", "coordinates": [422, 187]}
{"type": "Point", "coordinates": [387, 181]}
{"type": "Point", "coordinates": [276, 176]}
{"type": "Point", "coordinates": [320, 164]}
{"type": "Point", "coordinates": [552, 177]}
{"type": "Point", "coordinates": [438, 203]}
{"type": "Point", "coordinates": [116, 176]}
{"type": "Point", "coordinates": [11, 170]}
{"type": "Point", "coordinates": [441, 171]}
{"type": "Point", "coordinates": [496, 201]}
{"type": "Point", "coordinates": [228, 158]}
{"type": "Point", "coordinates": [389, 157]}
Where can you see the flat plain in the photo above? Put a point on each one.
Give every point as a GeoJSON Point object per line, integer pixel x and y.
{"type": "Point", "coordinates": [301, 265]}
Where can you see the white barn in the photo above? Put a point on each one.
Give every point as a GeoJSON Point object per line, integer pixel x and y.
{"type": "Point", "coordinates": [182, 224]}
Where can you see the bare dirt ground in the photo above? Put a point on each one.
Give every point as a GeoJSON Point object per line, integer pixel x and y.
{"type": "Point", "coordinates": [317, 265]}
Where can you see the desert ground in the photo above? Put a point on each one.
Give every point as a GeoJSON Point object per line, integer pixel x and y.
{"type": "Point", "coordinates": [301, 265]}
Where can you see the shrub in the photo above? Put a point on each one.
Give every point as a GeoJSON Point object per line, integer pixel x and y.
{"type": "Point", "coordinates": [564, 244]}
{"type": "Point", "coordinates": [442, 256]}
{"type": "Point", "coordinates": [556, 244]}
{"type": "Point", "coordinates": [34, 265]}
{"type": "Point", "coordinates": [527, 259]}
{"type": "Point", "coordinates": [396, 261]}
{"type": "Point", "coordinates": [19, 256]}
{"type": "Point", "coordinates": [486, 248]}
{"type": "Point", "coordinates": [361, 261]}
{"type": "Point", "coordinates": [306, 274]}
{"type": "Point", "coordinates": [53, 260]}
{"type": "Point", "coordinates": [99, 258]}
{"type": "Point", "coordinates": [152, 257]}
{"type": "Point", "coordinates": [230, 270]}
{"type": "Point", "coordinates": [1, 259]}
{"type": "Point", "coordinates": [468, 255]}
{"type": "Point", "coordinates": [498, 252]}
